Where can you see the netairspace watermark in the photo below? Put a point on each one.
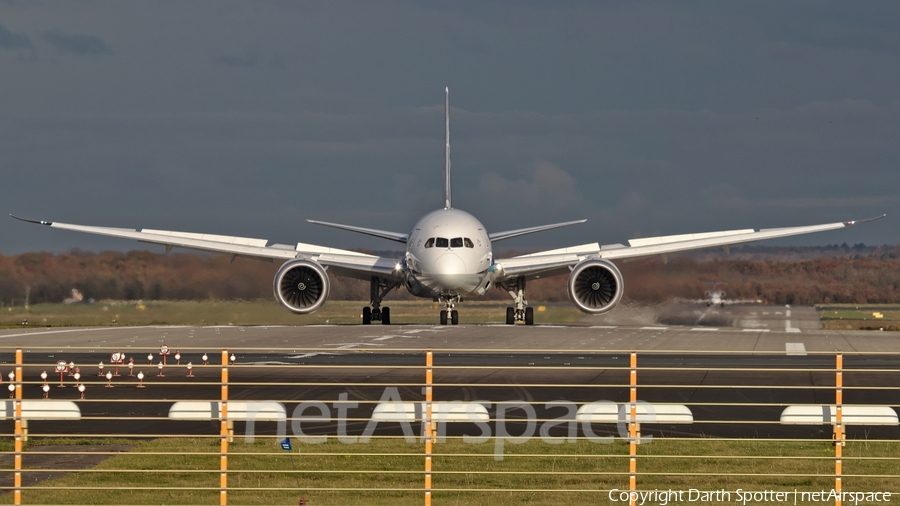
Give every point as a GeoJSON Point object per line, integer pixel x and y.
{"type": "Point", "coordinates": [320, 412]}
{"type": "Point", "coordinates": [745, 497]}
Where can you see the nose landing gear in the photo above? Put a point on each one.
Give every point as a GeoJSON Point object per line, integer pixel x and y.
{"type": "Point", "coordinates": [449, 302]}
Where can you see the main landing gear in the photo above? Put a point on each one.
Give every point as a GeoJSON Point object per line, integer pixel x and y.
{"type": "Point", "coordinates": [449, 302]}
{"type": "Point", "coordinates": [520, 312]}
{"type": "Point", "coordinates": [379, 288]}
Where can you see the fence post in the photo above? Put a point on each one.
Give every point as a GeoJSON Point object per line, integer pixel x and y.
{"type": "Point", "coordinates": [223, 432]}
{"type": "Point", "coordinates": [19, 430]}
{"type": "Point", "coordinates": [632, 432]}
{"type": "Point", "coordinates": [428, 432]}
{"type": "Point", "coordinates": [838, 425]}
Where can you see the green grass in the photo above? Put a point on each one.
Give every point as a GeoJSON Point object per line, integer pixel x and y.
{"type": "Point", "coordinates": [107, 313]}
{"type": "Point", "coordinates": [860, 316]}
{"type": "Point", "coordinates": [581, 473]}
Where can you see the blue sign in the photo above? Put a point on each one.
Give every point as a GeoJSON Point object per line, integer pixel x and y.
{"type": "Point", "coordinates": [286, 444]}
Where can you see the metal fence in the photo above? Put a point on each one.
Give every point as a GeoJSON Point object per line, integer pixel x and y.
{"type": "Point", "coordinates": [407, 426]}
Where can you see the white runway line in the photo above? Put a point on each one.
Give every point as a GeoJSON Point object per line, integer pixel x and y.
{"type": "Point", "coordinates": [787, 313]}
{"type": "Point", "coordinates": [754, 330]}
{"type": "Point", "coordinates": [62, 331]}
{"type": "Point", "coordinates": [795, 349]}
{"type": "Point", "coordinates": [604, 327]}
{"type": "Point", "coordinates": [788, 328]}
{"type": "Point", "coordinates": [705, 328]}
{"type": "Point", "coordinates": [654, 328]}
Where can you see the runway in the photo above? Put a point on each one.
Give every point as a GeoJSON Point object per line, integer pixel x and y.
{"type": "Point", "coordinates": [744, 328]}
{"type": "Point", "coordinates": [736, 381]}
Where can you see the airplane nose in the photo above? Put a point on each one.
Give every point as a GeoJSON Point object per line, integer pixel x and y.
{"type": "Point", "coordinates": [449, 270]}
{"type": "Point", "coordinates": [449, 264]}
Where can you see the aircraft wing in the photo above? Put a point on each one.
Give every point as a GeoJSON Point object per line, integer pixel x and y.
{"type": "Point", "coordinates": [343, 262]}
{"type": "Point", "coordinates": [559, 261]}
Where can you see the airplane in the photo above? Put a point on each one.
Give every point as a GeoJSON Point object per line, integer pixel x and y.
{"type": "Point", "coordinates": [716, 297]}
{"type": "Point", "coordinates": [448, 257]}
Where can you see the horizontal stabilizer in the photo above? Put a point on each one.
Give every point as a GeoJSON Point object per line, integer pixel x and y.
{"type": "Point", "coordinates": [391, 236]}
{"type": "Point", "coordinates": [499, 236]}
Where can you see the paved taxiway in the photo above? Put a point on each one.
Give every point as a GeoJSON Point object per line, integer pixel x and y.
{"type": "Point", "coordinates": [579, 363]}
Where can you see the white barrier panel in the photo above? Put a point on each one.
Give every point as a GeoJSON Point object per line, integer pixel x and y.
{"type": "Point", "coordinates": [851, 415]}
{"type": "Point", "coordinates": [44, 409]}
{"type": "Point", "coordinates": [261, 411]}
{"type": "Point", "coordinates": [441, 411]}
{"type": "Point", "coordinates": [608, 412]}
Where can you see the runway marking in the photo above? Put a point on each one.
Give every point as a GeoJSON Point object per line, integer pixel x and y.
{"type": "Point", "coordinates": [795, 349]}
{"type": "Point", "coordinates": [705, 328]}
{"type": "Point", "coordinates": [754, 330]}
{"type": "Point", "coordinates": [603, 327]}
{"type": "Point", "coordinates": [654, 328]}
{"type": "Point", "coordinates": [787, 313]}
{"type": "Point", "coordinates": [788, 328]}
{"type": "Point", "coordinates": [384, 338]}
{"type": "Point", "coordinates": [277, 362]}
{"type": "Point", "coordinates": [59, 331]}
{"type": "Point", "coordinates": [347, 346]}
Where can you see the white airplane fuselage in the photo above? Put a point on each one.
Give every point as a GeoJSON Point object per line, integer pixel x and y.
{"type": "Point", "coordinates": [448, 253]}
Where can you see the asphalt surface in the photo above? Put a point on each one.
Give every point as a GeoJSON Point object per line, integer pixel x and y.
{"type": "Point", "coordinates": [735, 380]}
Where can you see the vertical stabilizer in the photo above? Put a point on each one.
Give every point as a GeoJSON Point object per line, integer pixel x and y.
{"type": "Point", "coordinates": [447, 204]}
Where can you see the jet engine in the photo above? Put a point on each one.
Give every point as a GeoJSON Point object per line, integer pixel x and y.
{"type": "Point", "coordinates": [595, 286]}
{"type": "Point", "coordinates": [301, 286]}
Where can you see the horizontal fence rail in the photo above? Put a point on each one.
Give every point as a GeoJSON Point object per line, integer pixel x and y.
{"type": "Point", "coordinates": [411, 426]}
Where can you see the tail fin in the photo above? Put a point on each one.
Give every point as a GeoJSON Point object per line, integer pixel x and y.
{"type": "Point", "coordinates": [447, 204]}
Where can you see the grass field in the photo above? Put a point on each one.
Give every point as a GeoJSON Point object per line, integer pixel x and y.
{"type": "Point", "coordinates": [860, 316]}
{"type": "Point", "coordinates": [389, 472]}
{"type": "Point", "coordinates": [266, 312]}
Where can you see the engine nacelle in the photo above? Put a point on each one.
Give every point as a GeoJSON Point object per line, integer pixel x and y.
{"type": "Point", "coordinates": [595, 286]}
{"type": "Point", "coordinates": [301, 286]}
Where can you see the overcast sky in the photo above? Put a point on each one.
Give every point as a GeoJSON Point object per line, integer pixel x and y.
{"type": "Point", "coordinates": [646, 118]}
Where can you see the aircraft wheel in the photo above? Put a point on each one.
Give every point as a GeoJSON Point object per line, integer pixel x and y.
{"type": "Point", "coordinates": [529, 316]}
{"type": "Point", "coordinates": [454, 317]}
{"type": "Point", "coordinates": [385, 316]}
{"type": "Point", "coordinates": [443, 316]}
{"type": "Point", "coordinates": [367, 315]}
{"type": "Point", "coordinates": [510, 316]}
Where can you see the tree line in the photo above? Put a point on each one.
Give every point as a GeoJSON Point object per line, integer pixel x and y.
{"type": "Point", "coordinates": [862, 275]}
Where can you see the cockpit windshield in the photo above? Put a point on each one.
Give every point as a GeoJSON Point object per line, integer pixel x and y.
{"type": "Point", "coordinates": [442, 242]}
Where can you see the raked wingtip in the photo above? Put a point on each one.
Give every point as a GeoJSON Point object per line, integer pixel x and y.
{"type": "Point", "coordinates": [855, 222]}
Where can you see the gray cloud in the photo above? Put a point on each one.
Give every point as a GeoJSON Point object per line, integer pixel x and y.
{"type": "Point", "coordinates": [12, 41]}
{"type": "Point", "coordinates": [76, 43]}
{"type": "Point", "coordinates": [646, 118]}
{"type": "Point", "coordinates": [250, 60]}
